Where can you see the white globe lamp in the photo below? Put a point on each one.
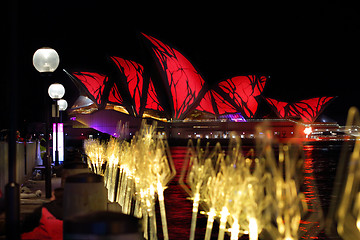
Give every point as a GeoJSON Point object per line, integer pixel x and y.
{"type": "Point", "coordinates": [46, 60]}
{"type": "Point", "coordinates": [62, 103]}
{"type": "Point", "coordinates": [56, 91]}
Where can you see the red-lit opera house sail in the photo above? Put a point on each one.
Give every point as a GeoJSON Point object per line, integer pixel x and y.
{"type": "Point", "coordinates": [142, 91]}
{"type": "Point", "coordinates": [152, 100]}
{"type": "Point", "coordinates": [131, 88]}
{"type": "Point", "coordinates": [308, 110]}
{"type": "Point", "coordinates": [243, 92]}
{"type": "Point", "coordinates": [215, 104]}
{"type": "Point", "coordinates": [182, 82]}
{"type": "Point", "coordinates": [95, 86]}
{"type": "Point", "coordinates": [131, 82]}
{"type": "Point", "coordinates": [132, 97]}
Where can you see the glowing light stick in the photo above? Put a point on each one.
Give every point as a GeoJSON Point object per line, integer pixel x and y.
{"type": "Point", "coordinates": [223, 220]}
{"type": "Point", "coordinates": [285, 170]}
{"type": "Point", "coordinates": [345, 205]}
{"type": "Point", "coordinates": [253, 229]}
{"type": "Point", "coordinates": [196, 170]}
{"type": "Point", "coordinates": [235, 230]}
{"type": "Point", "coordinates": [248, 192]}
{"type": "Point", "coordinates": [145, 168]}
{"type": "Point", "coordinates": [160, 191]}
{"type": "Point", "coordinates": [112, 153]}
{"type": "Point", "coordinates": [154, 169]}
{"type": "Point", "coordinates": [96, 155]}
{"type": "Point", "coordinates": [212, 196]}
{"type": "Point", "coordinates": [210, 222]}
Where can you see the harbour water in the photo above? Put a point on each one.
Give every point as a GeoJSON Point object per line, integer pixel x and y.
{"type": "Point", "coordinates": [320, 164]}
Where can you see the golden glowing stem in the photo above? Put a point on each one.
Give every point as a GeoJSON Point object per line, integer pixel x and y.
{"type": "Point", "coordinates": [128, 196]}
{"type": "Point", "coordinates": [152, 227]}
{"type": "Point", "coordinates": [253, 229]}
{"type": "Point", "coordinates": [209, 225]}
{"type": "Point", "coordinates": [151, 212]}
{"type": "Point", "coordinates": [145, 224]}
{"type": "Point", "coordinates": [137, 209]}
{"type": "Point", "coordinates": [121, 172]}
{"type": "Point", "coordinates": [152, 218]}
{"type": "Point", "coordinates": [111, 179]}
{"type": "Point", "coordinates": [223, 219]}
{"type": "Point", "coordinates": [108, 185]}
{"type": "Point", "coordinates": [99, 165]}
{"type": "Point", "coordinates": [111, 190]}
{"type": "Point", "coordinates": [160, 190]}
{"type": "Point", "coordinates": [123, 188]}
{"type": "Point", "coordinates": [194, 214]}
{"type": "Point", "coordinates": [106, 175]}
{"type": "Point", "coordinates": [235, 230]}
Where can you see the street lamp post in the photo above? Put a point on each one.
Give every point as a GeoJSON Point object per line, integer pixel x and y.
{"type": "Point", "coordinates": [56, 92]}
{"type": "Point", "coordinates": [46, 60]}
{"type": "Point", "coordinates": [62, 103]}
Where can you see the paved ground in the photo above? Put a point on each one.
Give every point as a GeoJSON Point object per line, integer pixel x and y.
{"type": "Point", "coordinates": [27, 206]}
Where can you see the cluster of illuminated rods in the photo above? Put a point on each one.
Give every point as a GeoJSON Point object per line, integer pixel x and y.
{"type": "Point", "coordinates": [246, 194]}
{"type": "Point", "coordinates": [136, 174]}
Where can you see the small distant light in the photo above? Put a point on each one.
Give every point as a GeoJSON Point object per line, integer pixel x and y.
{"type": "Point", "coordinates": [307, 131]}
{"type": "Point", "coordinates": [82, 134]}
{"type": "Point", "coordinates": [178, 133]}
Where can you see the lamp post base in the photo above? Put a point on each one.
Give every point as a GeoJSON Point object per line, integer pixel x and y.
{"type": "Point", "coordinates": [12, 198]}
{"type": "Point", "coordinates": [56, 157]}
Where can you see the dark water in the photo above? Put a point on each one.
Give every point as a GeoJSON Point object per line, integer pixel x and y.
{"type": "Point", "coordinates": [319, 173]}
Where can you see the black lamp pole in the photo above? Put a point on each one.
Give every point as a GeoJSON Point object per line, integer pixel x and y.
{"type": "Point", "coordinates": [46, 161]}
{"type": "Point", "coordinates": [56, 116]}
{"type": "Point", "coordinates": [12, 189]}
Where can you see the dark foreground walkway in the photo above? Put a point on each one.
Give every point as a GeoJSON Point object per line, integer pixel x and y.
{"type": "Point", "coordinates": [28, 205]}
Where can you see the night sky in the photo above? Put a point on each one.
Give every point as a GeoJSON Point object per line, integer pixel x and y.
{"type": "Point", "coordinates": [307, 50]}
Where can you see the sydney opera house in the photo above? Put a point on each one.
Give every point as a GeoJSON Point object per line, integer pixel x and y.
{"type": "Point", "coordinates": [184, 105]}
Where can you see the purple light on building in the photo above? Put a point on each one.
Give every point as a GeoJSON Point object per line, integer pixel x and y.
{"type": "Point", "coordinates": [233, 117]}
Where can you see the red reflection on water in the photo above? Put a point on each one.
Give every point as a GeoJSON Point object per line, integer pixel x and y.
{"type": "Point", "coordinates": [178, 208]}
{"type": "Point", "coordinates": [310, 229]}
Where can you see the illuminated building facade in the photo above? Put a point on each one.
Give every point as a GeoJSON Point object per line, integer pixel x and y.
{"type": "Point", "coordinates": [180, 98]}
